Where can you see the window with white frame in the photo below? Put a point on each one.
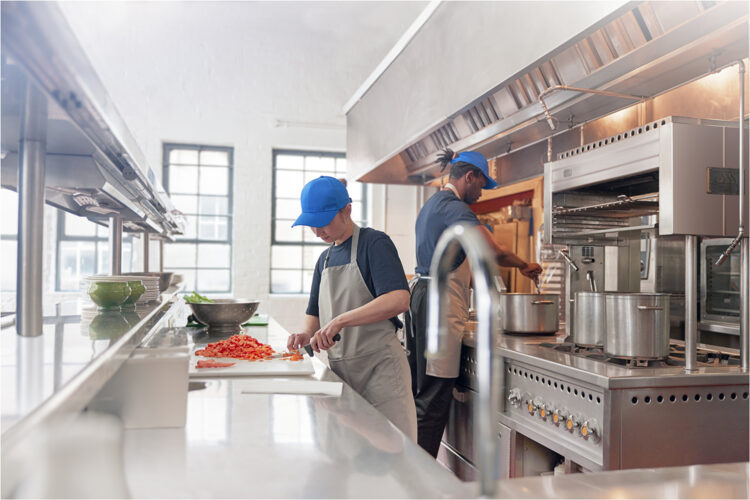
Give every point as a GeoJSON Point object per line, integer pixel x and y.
{"type": "Point", "coordinates": [83, 250]}
{"type": "Point", "coordinates": [199, 182]}
{"type": "Point", "coordinates": [8, 239]}
{"type": "Point", "coordinates": [294, 251]}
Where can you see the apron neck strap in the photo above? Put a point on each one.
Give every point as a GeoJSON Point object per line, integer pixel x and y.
{"type": "Point", "coordinates": [355, 242]}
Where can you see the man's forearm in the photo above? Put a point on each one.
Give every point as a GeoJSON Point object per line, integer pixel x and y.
{"type": "Point", "coordinates": [312, 324]}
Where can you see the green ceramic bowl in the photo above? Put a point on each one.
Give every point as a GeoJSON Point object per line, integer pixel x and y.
{"type": "Point", "coordinates": [136, 290]}
{"type": "Point", "coordinates": [109, 295]}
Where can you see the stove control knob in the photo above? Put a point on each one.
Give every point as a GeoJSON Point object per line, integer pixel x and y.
{"type": "Point", "coordinates": [539, 405]}
{"type": "Point", "coordinates": [514, 397]}
{"type": "Point", "coordinates": [590, 428]}
{"type": "Point", "coordinates": [530, 406]}
{"type": "Point", "coordinates": [545, 410]}
{"type": "Point", "coordinates": [559, 416]}
{"type": "Point", "coordinates": [571, 422]}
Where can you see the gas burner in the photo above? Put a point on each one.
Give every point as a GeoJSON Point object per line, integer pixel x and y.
{"type": "Point", "coordinates": [706, 357]}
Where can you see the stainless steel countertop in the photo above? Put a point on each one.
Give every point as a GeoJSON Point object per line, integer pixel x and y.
{"type": "Point", "coordinates": [281, 446]}
{"type": "Point", "coordinates": [63, 368]}
{"type": "Point", "coordinates": [527, 349]}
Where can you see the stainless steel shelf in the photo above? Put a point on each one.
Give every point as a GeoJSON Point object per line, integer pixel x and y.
{"type": "Point", "coordinates": [94, 167]}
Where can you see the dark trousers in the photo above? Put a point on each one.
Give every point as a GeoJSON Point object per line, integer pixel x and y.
{"type": "Point", "coordinates": [432, 395]}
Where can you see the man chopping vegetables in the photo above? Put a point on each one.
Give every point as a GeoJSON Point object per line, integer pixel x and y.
{"type": "Point", "coordinates": [358, 289]}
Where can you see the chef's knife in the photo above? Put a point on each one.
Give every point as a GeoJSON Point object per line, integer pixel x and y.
{"type": "Point", "coordinates": [307, 348]}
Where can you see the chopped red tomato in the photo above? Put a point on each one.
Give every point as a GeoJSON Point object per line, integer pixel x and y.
{"type": "Point", "coordinates": [239, 346]}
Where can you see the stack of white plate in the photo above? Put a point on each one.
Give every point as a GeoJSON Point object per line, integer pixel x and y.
{"type": "Point", "coordinates": [150, 282]}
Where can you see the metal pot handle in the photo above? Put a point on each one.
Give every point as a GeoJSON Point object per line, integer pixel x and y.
{"type": "Point", "coordinates": [650, 308]}
{"type": "Point", "coordinates": [541, 302]}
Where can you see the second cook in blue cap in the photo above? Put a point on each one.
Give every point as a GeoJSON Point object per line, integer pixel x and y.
{"type": "Point", "coordinates": [358, 290]}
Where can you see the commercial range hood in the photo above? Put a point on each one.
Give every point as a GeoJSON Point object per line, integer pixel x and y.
{"type": "Point", "coordinates": [94, 168]}
{"type": "Point", "coordinates": [638, 51]}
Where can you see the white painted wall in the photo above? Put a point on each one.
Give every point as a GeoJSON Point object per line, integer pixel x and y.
{"type": "Point", "coordinates": [250, 75]}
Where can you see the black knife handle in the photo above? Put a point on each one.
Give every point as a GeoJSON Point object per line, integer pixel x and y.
{"type": "Point", "coordinates": [310, 351]}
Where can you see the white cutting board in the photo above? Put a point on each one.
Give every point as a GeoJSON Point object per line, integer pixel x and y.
{"type": "Point", "coordinates": [244, 368]}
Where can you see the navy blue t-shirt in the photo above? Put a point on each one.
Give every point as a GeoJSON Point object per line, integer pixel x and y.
{"type": "Point", "coordinates": [377, 259]}
{"type": "Point", "coordinates": [441, 211]}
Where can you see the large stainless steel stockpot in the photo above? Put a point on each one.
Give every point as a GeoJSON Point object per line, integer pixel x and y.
{"type": "Point", "coordinates": [590, 319]}
{"type": "Point", "coordinates": [637, 325]}
{"type": "Point", "coordinates": [529, 312]}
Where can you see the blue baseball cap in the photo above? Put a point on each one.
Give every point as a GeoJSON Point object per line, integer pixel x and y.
{"type": "Point", "coordinates": [321, 200]}
{"type": "Point", "coordinates": [479, 161]}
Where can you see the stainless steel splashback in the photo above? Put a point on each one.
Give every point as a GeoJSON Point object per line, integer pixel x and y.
{"type": "Point", "coordinates": [654, 176]}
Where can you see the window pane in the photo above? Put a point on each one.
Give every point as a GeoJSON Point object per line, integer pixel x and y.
{"type": "Point", "coordinates": [179, 254]}
{"type": "Point", "coordinates": [103, 266]}
{"type": "Point", "coordinates": [289, 184]}
{"type": "Point", "coordinates": [8, 251]}
{"type": "Point", "coordinates": [284, 231]}
{"type": "Point", "coordinates": [214, 180]}
{"type": "Point", "coordinates": [311, 255]}
{"type": "Point", "coordinates": [307, 277]}
{"type": "Point", "coordinates": [183, 179]}
{"type": "Point", "coordinates": [191, 228]}
{"type": "Point", "coordinates": [102, 231]}
{"type": "Point", "coordinates": [291, 162]}
{"type": "Point", "coordinates": [127, 257]}
{"type": "Point", "coordinates": [212, 280]}
{"type": "Point", "coordinates": [209, 157]}
{"type": "Point", "coordinates": [288, 209]}
{"type": "Point", "coordinates": [78, 226]}
{"type": "Point", "coordinates": [185, 204]}
{"type": "Point", "coordinates": [213, 255]}
{"type": "Point", "coordinates": [322, 163]}
{"type": "Point", "coordinates": [9, 207]}
{"type": "Point", "coordinates": [355, 191]}
{"type": "Point", "coordinates": [214, 205]}
{"type": "Point", "coordinates": [341, 165]}
{"type": "Point", "coordinates": [286, 281]}
{"type": "Point", "coordinates": [183, 156]}
{"type": "Point", "coordinates": [212, 228]}
{"type": "Point", "coordinates": [77, 259]}
{"type": "Point", "coordinates": [283, 256]}
{"type": "Point", "coordinates": [188, 277]}
{"type": "Point", "coordinates": [314, 174]}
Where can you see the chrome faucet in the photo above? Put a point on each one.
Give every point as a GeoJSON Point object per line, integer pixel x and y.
{"type": "Point", "coordinates": [489, 367]}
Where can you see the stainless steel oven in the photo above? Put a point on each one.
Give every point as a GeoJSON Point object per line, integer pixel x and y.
{"type": "Point", "coordinates": [719, 294]}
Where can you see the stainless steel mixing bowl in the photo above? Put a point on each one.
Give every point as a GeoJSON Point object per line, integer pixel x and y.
{"type": "Point", "coordinates": [225, 316]}
{"type": "Point", "coordinates": [164, 278]}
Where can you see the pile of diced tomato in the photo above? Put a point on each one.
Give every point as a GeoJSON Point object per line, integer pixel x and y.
{"type": "Point", "coordinates": [239, 346]}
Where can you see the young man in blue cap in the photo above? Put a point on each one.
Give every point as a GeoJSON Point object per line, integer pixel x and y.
{"type": "Point", "coordinates": [433, 381]}
{"type": "Point", "coordinates": [358, 289]}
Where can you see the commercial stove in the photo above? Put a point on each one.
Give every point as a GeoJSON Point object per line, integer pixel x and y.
{"type": "Point", "coordinates": [566, 404]}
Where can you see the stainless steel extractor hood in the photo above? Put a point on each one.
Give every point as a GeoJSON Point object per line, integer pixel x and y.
{"type": "Point", "coordinates": [640, 49]}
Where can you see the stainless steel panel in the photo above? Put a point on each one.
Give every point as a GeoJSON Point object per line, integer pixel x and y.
{"type": "Point", "coordinates": [682, 426]}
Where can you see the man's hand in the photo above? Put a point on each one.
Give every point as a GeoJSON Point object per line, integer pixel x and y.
{"type": "Point", "coordinates": [297, 340]}
{"type": "Point", "coordinates": [531, 270]}
{"type": "Point", "coordinates": [323, 338]}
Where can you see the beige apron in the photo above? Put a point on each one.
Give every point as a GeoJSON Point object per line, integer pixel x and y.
{"type": "Point", "coordinates": [459, 293]}
{"type": "Point", "coordinates": [369, 357]}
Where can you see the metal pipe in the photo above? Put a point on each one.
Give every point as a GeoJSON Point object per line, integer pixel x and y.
{"type": "Point", "coordinates": [31, 176]}
{"type": "Point", "coordinates": [571, 262]}
{"type": "Point", "coordinates": [146, 241]}
{"type": "Point", "coordinates": [489, 366]}
{"type": "Point", "coordinates": [115, 243]}
{"type": "Point", "coordinates": [691, 302]}
{"type": "Point", "coordinates": [745, 298]}
{"type": "Point", "coordinates": [551, 120]}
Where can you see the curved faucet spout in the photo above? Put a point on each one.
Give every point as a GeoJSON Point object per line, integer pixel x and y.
{"type": "Point", "coordinates": [489, 367]}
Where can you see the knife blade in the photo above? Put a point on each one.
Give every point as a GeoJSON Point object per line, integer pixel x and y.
{"type": "Point", "coordinates": [307, 349]}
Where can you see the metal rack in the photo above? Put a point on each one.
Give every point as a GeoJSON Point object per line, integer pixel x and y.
{"type": "Point", "coordinates": [65, 144]}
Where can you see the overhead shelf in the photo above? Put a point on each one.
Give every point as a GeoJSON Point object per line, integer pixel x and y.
{"type": "Point", "coordinates": [94, 168]}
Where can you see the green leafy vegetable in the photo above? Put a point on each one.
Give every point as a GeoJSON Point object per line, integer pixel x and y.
{"type": "Point", "coordinates": [196, 298]}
